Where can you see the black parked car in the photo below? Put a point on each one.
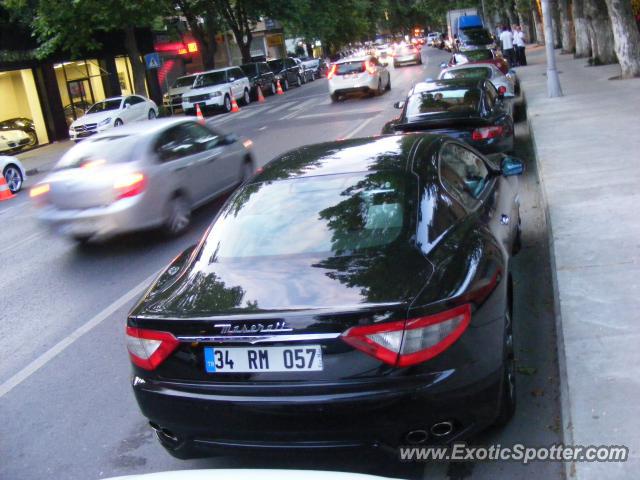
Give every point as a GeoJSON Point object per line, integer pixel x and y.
{"type": "Point", "coordinates": [24, 124]}
{"type": "Point", "coordinates": [353, 294]}
{"type": "Point", "coordinates": [260, 76]}
{"type": "Point", "coordinates": [470, 109]}
{"type": "Point", "coordinates": [288, 71]}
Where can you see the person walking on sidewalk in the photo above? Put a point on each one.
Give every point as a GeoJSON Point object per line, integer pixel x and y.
{"type": "Point", "coordinates": [519, 45]}
{"type": "Point", "coordinates": [506, 37]}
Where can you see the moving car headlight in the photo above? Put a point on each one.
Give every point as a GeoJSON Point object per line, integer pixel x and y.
{"type": "Point", "coordinates": [71, 132]}
{"type": "Point", "coordinates": [104, 122]}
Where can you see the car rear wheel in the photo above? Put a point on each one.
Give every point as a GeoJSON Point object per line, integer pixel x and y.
{"type": "Point", "coordinates": [335, 97]}
{"type": "Point", "coordinates": [13, 177]}
{"type": "Point", "coordinates": [285, 84]}
{"type": "Point", "coordinates": [33, 139]}
{"type": "Point", "coordinates": [117, 123]}
{"type": "Point", "coordinates": [178, 216]}
{"type": "Point", "coordinates": [388, 87]}
{"type": "Point", "coordinates": [246, 98]}
{"type": "Point", "coordinates": [274, 88]}
{"type": "Point", "coordinates": [508, 397]}
{"type": "Point", "coordinates": [152, 114]}
{"type": "Point", "coordinates": [300, 82]}
{"type": "Point", "coordinates": [248, 167]}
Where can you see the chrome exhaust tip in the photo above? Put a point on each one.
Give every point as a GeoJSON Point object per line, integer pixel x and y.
{"type": "Point", "coordinates": [164, 434]}
{"type": "Point", "coordinates": [416, 437]}
{"type": "Point", "coordinates": [442, 429]}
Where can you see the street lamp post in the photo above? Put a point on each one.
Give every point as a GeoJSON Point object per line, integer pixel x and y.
{"type": "Point", "coordinates": [553, 80]}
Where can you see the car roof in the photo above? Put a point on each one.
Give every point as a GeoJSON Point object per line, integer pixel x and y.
{"type": "Point", "coordinates": [387, 152]}
{"type": "Point", "coordinates": [449, 83]}
{"type": "Point", "coordinates": [144, 128]}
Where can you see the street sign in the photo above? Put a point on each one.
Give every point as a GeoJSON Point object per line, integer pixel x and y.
{"type": "Point", "coordinates": [152, 60]}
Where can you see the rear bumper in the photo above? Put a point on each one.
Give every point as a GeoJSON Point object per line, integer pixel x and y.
{"type": "Point", "coordinates": [95, 223]}
{"type": "Point", "coordinates": [193, 422]}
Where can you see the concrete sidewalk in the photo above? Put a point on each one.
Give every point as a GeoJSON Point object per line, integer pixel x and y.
{"type": "Point", "coordinates": [588, 150]}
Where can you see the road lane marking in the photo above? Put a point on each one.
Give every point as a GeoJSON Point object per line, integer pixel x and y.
{"type": "Point", "coordinates": [304, 104]}
{"type": "Point", "coordinates": [282, 107]}
{"type": "Point", "coordinates": [341, 113]}
{"type": "Point", "coordinates": [66, 342]}
{"type": "Point", "coordinates": [359, 127]}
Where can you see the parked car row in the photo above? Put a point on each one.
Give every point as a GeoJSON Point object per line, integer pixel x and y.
{"type": "Point", "coordinates": [215, 89]}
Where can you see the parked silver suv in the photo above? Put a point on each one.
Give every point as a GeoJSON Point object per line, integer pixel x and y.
{"type": "Point", "coordinates": [215, 88]}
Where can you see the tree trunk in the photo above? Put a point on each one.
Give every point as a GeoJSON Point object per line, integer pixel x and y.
{"type": "Point", "coordinates": [557, 25]}
{"type": "Point", "coordinates": [600, 32]}
{"type": "Point", "coordinates": [568, 42]}
{"type": "Point", "coordinates": [626, 37]}
{"type": "Point", "coordinates": [137, 65]}
{"type": "Point", "coordinates": [537, 21]}
{"type": "Point", "coordinates": [245, 47]}
{"type": "Point", "coordinates": [581, 28]}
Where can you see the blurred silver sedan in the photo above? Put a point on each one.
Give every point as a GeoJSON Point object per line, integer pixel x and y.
{"type": "Point", "coordinates": [142, 176]}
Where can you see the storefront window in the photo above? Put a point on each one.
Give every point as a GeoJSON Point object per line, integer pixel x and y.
{"type": "Point", "coordinates": [21, 121]}
{"type": "Point", "coordinates": [80, 85]}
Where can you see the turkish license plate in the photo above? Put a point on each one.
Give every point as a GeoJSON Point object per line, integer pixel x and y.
{"type": "Point", "coordinates": [307, 358]}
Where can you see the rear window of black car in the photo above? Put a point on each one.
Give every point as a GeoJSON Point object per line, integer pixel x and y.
{"type": "Point", "coordinates": [475, 72]}
{"type": "Point", "coordinates": [450, 100]}
{"type": "Point", "coordinates": [342, 214]}
{"type": "Point", "coordinates": [350, 67]}
{"type": "Point", "coordinates": [276, 65]}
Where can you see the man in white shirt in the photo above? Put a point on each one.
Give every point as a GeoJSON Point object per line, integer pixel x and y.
{"type": "Point", "coordinates": [518, 40]}
{"type": "Point", "coordinates": [506, 37]}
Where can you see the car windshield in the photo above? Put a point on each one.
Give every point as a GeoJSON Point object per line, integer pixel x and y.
{"type": "Point", "coordinates": [476, 72]}
{"type": "Point", "coordinates": [349, 67]}
{"type": "Point", "coordinates": [209, 79]}
{"type": "Point", "coordinates": [105, 105]}
{"type": "Point", "coordinates": [451, 100]}
{"type": "Point", "coordinates": [276, 65]}
{"type": "Point", "coordinates": [343, 214]}
{"type": "Point", "coordinates": [476, 36]}
{"type": "Point", "coordinates": [477, 55]}
{"type": "Point", "coordinates": [184, 81]}
{"type": "Point", "coordinates": [406, 49]}
{"type": "Point", "coordinates": [99, 151]}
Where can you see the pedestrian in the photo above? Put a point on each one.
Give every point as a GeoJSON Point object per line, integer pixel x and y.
{"type": "Point", "coordinates": [506, 37]}
{"type": "Point", "coordinates": [519, 44]}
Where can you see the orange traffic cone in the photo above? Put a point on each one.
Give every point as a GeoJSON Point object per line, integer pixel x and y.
{"type": "Point", "coordinates": [279, 89]}
{"type": "Point", "coordinates": [5, 193]}
{"type": "Point", "coordinates": [234, 104]}
{"type": "Point", "coordinates": [260, 95]}
{"type": "Point", "coordinates": [201, 119]}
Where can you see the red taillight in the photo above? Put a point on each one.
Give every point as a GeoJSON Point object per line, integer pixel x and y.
{"type": "Point", "coordinates": [417, 340]}
{"type": "Point", "coordinates": [130, 185]}
{"type": "Point", "coordinates": [502, 89]}
{"type": "Point", "coordinates": [369, 67]}
{"type": "Point", "coordinates": [484, 133]}
{"type": "Point", "coordinates": [149, 348]}
{"type": "Point", "coordinates": [332, 71]}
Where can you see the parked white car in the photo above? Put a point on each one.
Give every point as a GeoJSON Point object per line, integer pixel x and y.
{"type": "Point", "coordinates": [112, 112]}
{"type": "Point", "coordinates": [213, 90]}
{"type": "Point", "coordinates": [505, 84]}
{"type": "Point", "coordinates": [13, 172]}
{"type": "Point", "coordinates": [13, 140]}
{"type": "Point", "coordinates": [173, 98]}
{"type": "Point", "coordinates": [363, 74]}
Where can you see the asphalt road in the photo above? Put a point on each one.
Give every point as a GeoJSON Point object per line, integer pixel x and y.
{"type": "Point", "coordinates": [66, 407]}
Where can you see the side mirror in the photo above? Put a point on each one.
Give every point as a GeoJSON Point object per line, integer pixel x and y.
{"type": "Point", "coordinates": [229, 139]}
{"type": "Point", "coordinates": [444, 65]}
{"type": "Point", "coordinates": [511, 166]}
{"type": "Point", "coordinates": [398, 105]}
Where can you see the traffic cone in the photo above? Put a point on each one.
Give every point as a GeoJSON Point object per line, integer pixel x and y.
{"type": "Point", "coordinates": [279, 89]}
{"type": "Point", "coordinates": [234, 104]}
{"type": "Point", "coordinates": [260, 95]}
{"type": "Point", "coordinates": [5, 193]}
{"type": "Point", "coordinates": [199, 115]}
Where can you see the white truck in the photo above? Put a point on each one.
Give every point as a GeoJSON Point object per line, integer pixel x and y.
{"type": "Point", "coordinates": [453, 17]}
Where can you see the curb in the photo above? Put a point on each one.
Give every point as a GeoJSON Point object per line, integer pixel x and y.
{"type": "Point", "coordinates": [565, 403]}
